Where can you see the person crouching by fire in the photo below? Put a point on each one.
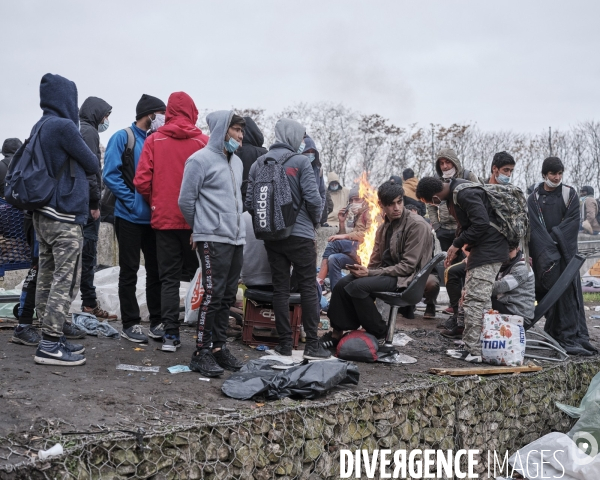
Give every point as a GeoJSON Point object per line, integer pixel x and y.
{"type": "Point", "coordinates": [403, 245]}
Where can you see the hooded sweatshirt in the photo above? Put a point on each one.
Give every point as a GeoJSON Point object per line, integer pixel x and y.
{"type": "Point", "coordinates": [339, 198]}
{"type": "Point", "coordinates": [211, 198]}
{"type": "Point", "coordinates": [60, 140]}
{"type": "Point", "coordinates": [300, 174]}
{"type": "Point", "coordinates": [439, 215]}
{"type": "Point", "coordinates": [251, 149]}
{"type": "Point", "coordinates": [316, 165]}
{"type": "Point", "coordinates": [9, 147]}
{"type": "Point", "coordinates": [160, 171]}
{"type": "Point", "coordinates": [92, 112]}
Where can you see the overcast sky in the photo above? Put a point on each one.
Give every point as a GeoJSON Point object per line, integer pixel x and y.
{"type": "Point", "coordinates": [510, 65]}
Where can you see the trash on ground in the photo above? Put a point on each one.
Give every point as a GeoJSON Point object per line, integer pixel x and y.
{"type": "Point", "coordinates": [595, 317]}
{"type": "Point", "coordinates": [257, 378]}
{"type": "Point", "coordinates": [394, 357]}
{"type": "Point", "coordinates": [262, 348]}
{"type": "Point", "coordinates": [92, 326]}
{"type": "Point", "coordinates": [137, 368]}
{"type": "Point", "coordinates": [204, 379]}
{"type": "Point", "coordinates": [400, 339]}
{"type": "Point", "coordinates": [178, 369]}
{"type": "Point", "coordinates": [297, 357]}
{"type": "Point", "coordinates": [457, 372]}
{"type": "Point", "coordinates": [324, 324]}
{"type": "Point", "coordinates": [138, 349]}
{"type": "Point", "coordinates": [591, 397]}
{"type": "Point", "coordinates": [51, 452]}
{"type": "Point", "coordinates": [597, 308]}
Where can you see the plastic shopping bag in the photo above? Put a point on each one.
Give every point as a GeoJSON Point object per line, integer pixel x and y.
{"type": "Point", "coordinates": [194, 296]}
{"type": "Point", "coordinates": [503, 339]}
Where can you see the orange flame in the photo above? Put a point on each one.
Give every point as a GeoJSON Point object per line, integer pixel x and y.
{"type": "Point", "coordinates": [369, 196]}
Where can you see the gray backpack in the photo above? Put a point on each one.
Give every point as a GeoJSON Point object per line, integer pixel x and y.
{"type": "Point", "coordinates": [272, 205]}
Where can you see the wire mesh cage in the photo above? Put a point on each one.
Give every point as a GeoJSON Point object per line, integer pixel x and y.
{"type": "Point", "coordinates": [15, 253]}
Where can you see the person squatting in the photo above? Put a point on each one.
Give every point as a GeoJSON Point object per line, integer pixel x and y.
{"type": "Point", "coordinates": [228, 206]}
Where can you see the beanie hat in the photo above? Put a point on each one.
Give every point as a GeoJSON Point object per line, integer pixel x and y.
{"type": "Point", "coordinates": [147, 105]}
{"type": "Point", "coordinates": [396, 179]}
{"type": "Point", "coordinates": [587, 190]}
{"type": "Point", "coordinates": [354, 192]}
{"type": "Point", "coordinates": [408, 173]}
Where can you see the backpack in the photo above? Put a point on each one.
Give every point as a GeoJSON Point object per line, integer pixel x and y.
{"type": "Point", "coordinates": [274, 215]}
{"type": "Point", "coordinates": [510, 206]}
{"type": "Point", "coordinates": [28, 184]}
{"type": "Point", "coordinates": [107, 198]}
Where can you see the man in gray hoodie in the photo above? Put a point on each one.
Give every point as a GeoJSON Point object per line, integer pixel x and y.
{"type": "Point", "coordinates": [299, 248]}
{"type": "Point", "coordinates": [211, 203]}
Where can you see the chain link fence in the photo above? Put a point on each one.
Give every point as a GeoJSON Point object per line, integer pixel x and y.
{"type": "Point", "coordinates": [291, 439]}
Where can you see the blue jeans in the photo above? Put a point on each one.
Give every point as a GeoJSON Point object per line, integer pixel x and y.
{"type": "Point", "coordinates": [339, 253]}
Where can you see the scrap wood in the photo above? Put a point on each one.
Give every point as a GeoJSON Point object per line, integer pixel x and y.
{"type": "Point", "coordinates": [484, 370]}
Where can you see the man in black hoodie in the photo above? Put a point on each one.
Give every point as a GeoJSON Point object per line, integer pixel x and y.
{"type": "Point", "coordinates": [9, 147]}
{"type": "Point", "coordinates": [93, 117]}
{"type": "Point", "coordinates": [251, 149]}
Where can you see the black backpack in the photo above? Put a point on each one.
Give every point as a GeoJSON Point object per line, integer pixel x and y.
{"type": "Point", "coordinates": [108, 199]}
{"type": "Point", "coordinates": [272, 205]}
{"type": "Point", "coordinates": [28, 184]}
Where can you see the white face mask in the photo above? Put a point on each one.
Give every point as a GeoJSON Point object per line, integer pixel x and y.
{"type": "Point", "coordinates": [449, 173]}
{"type": "Point", "coordinates": [552, 184]}
{"type": "Point", "coordinates": [159, 121]}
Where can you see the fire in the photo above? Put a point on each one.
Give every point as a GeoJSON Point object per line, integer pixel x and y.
{"type": "Point", "coordinates": [369, 196]}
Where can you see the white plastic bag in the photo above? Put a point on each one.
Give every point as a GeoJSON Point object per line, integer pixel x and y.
{"type": "Point", "coordinates": [194, 296]}
{"type": "Point", "coordinates": [503, 339]}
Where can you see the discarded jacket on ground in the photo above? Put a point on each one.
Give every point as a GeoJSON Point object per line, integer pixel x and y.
{"type": "Point", "coordinates": [257, 378]}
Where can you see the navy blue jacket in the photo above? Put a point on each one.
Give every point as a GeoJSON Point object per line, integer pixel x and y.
{"type": "Point", "coordinates": [60, 140]}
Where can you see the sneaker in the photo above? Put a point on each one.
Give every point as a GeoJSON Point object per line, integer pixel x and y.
{"type": "Point", "coordinates": [448, 311]}
{"type": "Point", "coordinates": [204, 362]}
{"type": "Point", "coordinates": [134, 334]}
{"type": "Point", "coordinates": [170, 343]}
{"type": "Point", "coordinates": [328, 341]}
{"type": "Point", "coordinates": [73, 332]}
{"type": "Point", "coordinates": [316, 351]}
{"type": "Point", "coordinates": [59, 355]}
{"type": "Point", "coordinates": [448, 323]}
{"type": "Point", "coordinates": [226, 359]}
{"type": "Point", "coordinates": [157, 332]}
{"type": "Point", "coordinates": [429, 312]}
{"type": "Point", "coordinates": [99, 313]}
{"type": "Point", "coordinates": [28, 335]}
{"type": "Point", "coordinates": [75, 348]}
{"type": "Point", "coordinates": [464, 354]}
{"type": "Point", "coordinates": [455, 332]}
{"type": "Point", "coordinates": [284, 350]}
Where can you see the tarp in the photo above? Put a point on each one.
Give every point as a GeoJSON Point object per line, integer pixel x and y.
{"type": "Point", "coordinates": [257, 378]}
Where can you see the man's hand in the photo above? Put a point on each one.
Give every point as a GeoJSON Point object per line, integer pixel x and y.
{"type": "Point", "coordinates": [339, 236]}
{"type": "Point", "coordinates": [95, 214]}
{"type": "Point", "coordinates": [342, 214]}
{"type": "Point", "coordinates": [360, 271]}
{"type": "Point", "coordinates": [451, 255]}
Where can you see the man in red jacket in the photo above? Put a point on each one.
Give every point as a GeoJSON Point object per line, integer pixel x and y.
{"type": "Point", "coordinates": [158, 180]}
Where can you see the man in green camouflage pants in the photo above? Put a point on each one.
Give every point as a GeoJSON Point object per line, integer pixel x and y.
{"type": "Point", "coordinates": [57, 283]}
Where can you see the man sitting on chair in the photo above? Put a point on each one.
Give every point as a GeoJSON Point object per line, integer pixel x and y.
{"type": "Point", "coordinates": [403, 245]}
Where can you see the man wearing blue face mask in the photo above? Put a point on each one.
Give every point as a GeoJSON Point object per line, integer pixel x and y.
{"type": "Point", "coordinates": [503, 166]}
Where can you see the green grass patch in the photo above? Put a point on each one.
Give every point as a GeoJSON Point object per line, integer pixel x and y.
{"type": "Point", "coordinates": [591, 297]}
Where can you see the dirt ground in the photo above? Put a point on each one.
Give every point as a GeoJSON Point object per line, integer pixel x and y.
{"type": "Point", "coordinates": [96, 394]}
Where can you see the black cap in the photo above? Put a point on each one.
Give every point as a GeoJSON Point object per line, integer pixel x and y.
{"type": "Point", "coordinates": [147, 105]}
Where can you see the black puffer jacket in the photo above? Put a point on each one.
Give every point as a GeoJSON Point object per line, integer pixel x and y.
{"type": "Point", "coordinates": [9, 148]}
{"type": "Point", "coordinates": [251, 149]}
{"type": "Point", "coordinates": [92, 112]}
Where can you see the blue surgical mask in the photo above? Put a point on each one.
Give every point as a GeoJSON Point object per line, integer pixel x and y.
{"type": "Point", "coordinates": [103, 127]}
{"type": "Point", "coordinates": [504, 179]}
{"type": "Point", "coordinates": [301, 147]}
{"type": "Point", "coordinates": [311, 157]}
{"type": "Point", "coordinates": [231, 145]}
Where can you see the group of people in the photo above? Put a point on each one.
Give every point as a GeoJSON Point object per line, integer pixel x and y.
{"type": "Point", "coordinates": [186, 201]}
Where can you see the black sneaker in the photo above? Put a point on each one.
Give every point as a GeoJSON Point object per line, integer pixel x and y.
{"type": "Point", "coordinates": [203, 362]}
{"type": "Point", "coordinates": [170, 343]}
{"type": "Point", "coordinates": [284, 350]}
{"type": "Point", "coordinates": [316, 351]}
{"type": "Point", "coordinates": [157, 332]}
{"type": "Point", "coordinates": [28, 335]}
{"type": "Point", "coordinates": [328, 341]}
{"type": "Point", "coordinates": [134, 334]}
{"type": "Point", "coordinates": [59, 355]}
{"type": "Point", "coordinates": [456, 332]}
{"type": "Point", "coordinates": [72, 347]}
{"type": "Point", "coordinates": [429, 312]}
{"type": "Point", "coordinates": [73, 332]}
{"type": "Point", "coordinates": [226, 359]}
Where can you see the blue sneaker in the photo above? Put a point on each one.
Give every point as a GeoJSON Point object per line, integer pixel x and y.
{"type": "Point", "coordinates": [134, 334]}
{"type": "Point", "coordinates": [58, 355]}
{"type": "Point", "coordinates": [72, 347]}
{"type": "Point", "coordinates": [170, 343]}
